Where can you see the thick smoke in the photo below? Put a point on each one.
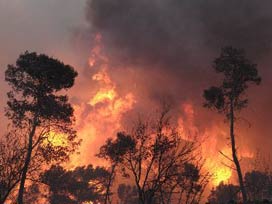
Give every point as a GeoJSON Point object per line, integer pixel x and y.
{"type": "Point", "coordinates": [175, 32]}
{"type": "Point", "coordinates": [172, 45]}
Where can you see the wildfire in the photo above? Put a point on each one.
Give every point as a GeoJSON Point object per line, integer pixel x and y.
{"type": "Point", "coordinates": [101, 117]}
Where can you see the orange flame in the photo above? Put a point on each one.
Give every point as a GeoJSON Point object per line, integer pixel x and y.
{"type": "Point", "coordinates": [100, 117]}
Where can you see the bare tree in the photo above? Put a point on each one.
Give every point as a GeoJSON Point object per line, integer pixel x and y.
{"type": "Point", "coordinates": [229, 97]}
{"type": "Point", "coordinates": [156, 156]}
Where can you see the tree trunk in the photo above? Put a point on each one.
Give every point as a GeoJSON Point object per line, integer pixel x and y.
{"type": "Point", "coordinates": [141, 197]}
{"type": "Point", "coordinates": [20, 198]}
{"type": "Point", "coordinates": [107, 196]}
{"type": "Point", "coordinates": [234, 155]}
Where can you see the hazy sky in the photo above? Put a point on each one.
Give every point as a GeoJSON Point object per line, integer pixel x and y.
{"type": "Point", "coordinates": [44, 26]}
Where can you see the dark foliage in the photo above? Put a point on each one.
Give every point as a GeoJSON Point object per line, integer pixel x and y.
{"type": "Point", "coordinates": [238, 74]}
{"type": "Point", "coordinates": [34, 80]}
{"type": "Point", "coordinates": [114, 150]}
{"type": "Point", "coordinates": [83, 184]}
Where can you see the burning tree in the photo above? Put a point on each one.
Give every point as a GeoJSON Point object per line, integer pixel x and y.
{"type": "Point", "coordinates": [156, 159]}
{"type": "Point", "coordinates": [229, 97]}
{"type": "Point", "coordinates": [41, 114]}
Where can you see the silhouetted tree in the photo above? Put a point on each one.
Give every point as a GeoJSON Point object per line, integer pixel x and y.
{"type": "Point", "coordinates": [114, 151]}
{"type": "Point", "coordinates": [35, 108]}
{"type": "Point", "coordinates": [229, 97]}
{"type": "Point", "coordinates": [156, 157]}
{"type": "Point", "coordinates": [78, 186]}
{"type": "Point", "coordinates": [224, 194]}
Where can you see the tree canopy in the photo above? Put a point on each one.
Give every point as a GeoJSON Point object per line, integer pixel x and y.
{"type": "Point", "coordinates": [238, 73]}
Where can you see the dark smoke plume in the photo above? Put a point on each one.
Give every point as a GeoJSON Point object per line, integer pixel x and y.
{"type": "Point", "coordinates": [174, 32]}
{"type": "Point", "coordinates": [173, 44]}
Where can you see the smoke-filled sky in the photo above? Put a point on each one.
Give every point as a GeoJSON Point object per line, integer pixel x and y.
{"type": "Point", "coordinates": [173, 43]}
{"type": "Point", "coordinates": [156, 49]}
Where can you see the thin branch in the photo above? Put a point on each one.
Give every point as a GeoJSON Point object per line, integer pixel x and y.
{"type": "Point", "coordinates": [226, 156]}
